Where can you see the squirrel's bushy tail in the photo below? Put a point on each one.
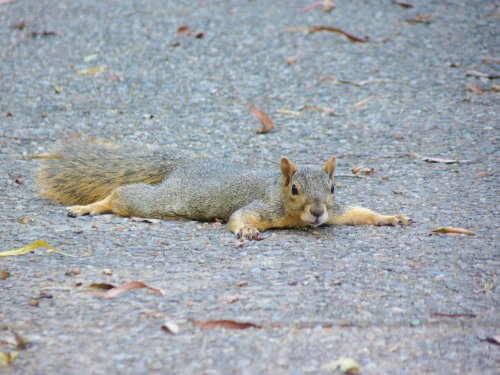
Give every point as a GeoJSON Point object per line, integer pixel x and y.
{"type": "Point", "coordinates": [85, 171]}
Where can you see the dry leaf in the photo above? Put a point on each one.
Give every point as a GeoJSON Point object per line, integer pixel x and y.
{"type": "Point", "coordinates": [265, 120]}
{"type": "Point", "coordinates": [90, 71]}
{"type": "Point", "coordinates": [4, 274]}
{"type": "Point", "coordinates": [423, 18]}
{"type": "Point", "coordinates": [90, 57]}
{"type": "Point", "coordinates": [328, 111]}
{"type": "Point", "coordinates": [286, 112]}
{"type": "Point", "coordinates": [241, 283]}
{"type": "Point", "coordinates": [184, 30]}
{"type": "Point", "coordinates": [362, 170]}
{"type": "Point", "coordinates": [492, 340]}
{"type": "Point", "coordinates": [475, 89]}
{"type": "Point", "coordinates": [32, 247]}
{"type": "Point", "coordinates": [449, 230]}
{"type": "Point", "coordinates": [107, 271]}
{"type": "Point", "coordinates": [361, 103]}
{"type": "Point", "coordinates": [447, 315]}
{"type": "Point", "coordinates": [403, 4]}
{"type": "Point", "coordinates": [351, 37]}
{"type": "Point", "coordinates": [199, 35]}
{"type": "Point", "coordinates": [357, 84]}
{"type": "Point", "coordinates": [72, 272]}
{"type": "Point", "coordinates": [437, 160]}
{"type": "Point", "coordinates": [475, 73]}
{"type": "Point", "coordinates": [170, 327]}
{"type": "Point", "coordinates": [327, 6]}
{"type": "Point", "coordinates": [44, 33]}
{"type": "Point", "coordinates": [20, 25]}
{"type": "Point", "coordinates": [232, 298]}
{"type": "Point", "coordinates": [103, 286]}
{"type": "Point", "coordinates": [23, 220]}
{"type": "Point", "coordinates": [7, 358]}
{"type": "Point", "coordinates": [345, 365]}
{"type": "Point", "coordinates": [291, 60]}
{"type": "Point", "coordinates": [58, 90]}
{"type": "Point", "coordinates": [125, 287]}
{"type": "Point", "coordinates": [227, 324]}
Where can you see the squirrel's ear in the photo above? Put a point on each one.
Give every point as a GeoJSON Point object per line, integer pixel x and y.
{"type": "Point", "coordinates": [287, 170]}
{"type": "Point", "coordinates": [330, 166]}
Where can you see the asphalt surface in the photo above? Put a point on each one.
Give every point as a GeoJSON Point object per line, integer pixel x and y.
{"type": "Point", "coordinates": [396, 300]}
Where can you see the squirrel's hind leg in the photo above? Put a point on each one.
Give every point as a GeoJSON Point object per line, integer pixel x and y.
{"type": "Point", "coordinates": [100, 207]}
{"type": "Point", "coordinates": [142, 200]}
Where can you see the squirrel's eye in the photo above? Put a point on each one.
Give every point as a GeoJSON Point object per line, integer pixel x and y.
{"type": "Point", "coordinates": [295, 191]}
{"type": "Point", "coordinates": [332, 189]}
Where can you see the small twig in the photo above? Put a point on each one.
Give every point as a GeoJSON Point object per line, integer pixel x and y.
{"type": "Point", "coordinates": [349, 176]}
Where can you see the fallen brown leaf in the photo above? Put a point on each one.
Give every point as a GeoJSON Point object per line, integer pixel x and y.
{"type": "Point", "coordinates": [265, 120]}
{"type": "Point", "coordinates": [199, 34]}
{"type": "Point", "coordinates": [327, 6]}
{"type": "Point", "coordinates": [349, 36]}
{"type": "Point", "coordinates": [362, 170]}
{"type": "Point", "coordinates": [459, 315]}
{"type": "Point", "coordinates": [44, 33]}
{"type": "Point", "coordinates": [125, 287]}
{"type": "Point", "coordinates": [403, 4]}
{"type": "Point", "coordinates": [328, 111]}
{"type": "Point", "coordinates": [361, 103]}
{"type": "Point", "coordinates": [184, 30]}
{"type": "Point", "coordinates": [475, 73]}
{"type": "Point", "coordinates": [448, 230]}
{"type": "Point", "coordinates": [4, 274]}
{"type": "Point", "coordinates": [20, 25]}
{"type": "Point", "coordinates": [23, 220]}
{"type": "Point", "coordinates": [422, 18]}
{"type": "Point", "coordinates": [357, 84]}
{"type": "Point", "coordinates": [72, 272]}
{"type": "Point", "coordinates": [437, 160]}
{"type": "Point", "coordinates": [492, 340]}
{"type": "Point", "coordinates": [475, 89]}
{"type": "Point", "coordinates": [232, 298]}
{"type": "Point", "coordinates": [227, 324]}
{"type": "Point", "coordinates": [102, 286]}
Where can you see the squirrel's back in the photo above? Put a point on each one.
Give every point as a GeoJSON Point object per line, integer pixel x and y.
{"type": "Point", "coordinates": [85, 171]}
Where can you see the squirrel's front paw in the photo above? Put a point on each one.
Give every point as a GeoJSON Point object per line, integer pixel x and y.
{"type": "Point", "coordinates": [394, 220]}
{"type": "Point", "coordinates": [247, 232]}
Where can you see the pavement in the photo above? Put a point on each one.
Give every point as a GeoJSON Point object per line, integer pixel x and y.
{"type": "Point", "coordinates": [397, 300]}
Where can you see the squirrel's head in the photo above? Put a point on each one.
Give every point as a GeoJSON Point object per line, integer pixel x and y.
{"type": "Point", "coordinates": [309, 191]}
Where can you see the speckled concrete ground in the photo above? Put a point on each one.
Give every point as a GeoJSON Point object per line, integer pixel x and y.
{"type": "Point", "coordinates": [382, 296]}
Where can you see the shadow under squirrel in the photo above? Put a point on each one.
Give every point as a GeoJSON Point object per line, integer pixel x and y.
{"type": "Point", "coordinates": [175, 184]}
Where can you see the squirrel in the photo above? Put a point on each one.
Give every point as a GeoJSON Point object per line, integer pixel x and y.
{"type": "Point", "coordinates": [154, 182]}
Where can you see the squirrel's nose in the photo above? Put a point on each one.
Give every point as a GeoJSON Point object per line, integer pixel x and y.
{"type": "Point", "coordinates": [317, 211]}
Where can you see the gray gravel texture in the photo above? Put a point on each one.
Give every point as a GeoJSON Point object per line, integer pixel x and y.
{"type": "Point", "coordinates": [368, 293]}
